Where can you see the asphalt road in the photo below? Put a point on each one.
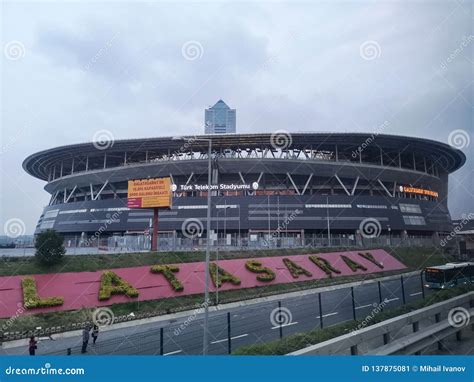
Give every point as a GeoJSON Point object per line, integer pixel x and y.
{"type": "Point", "coordinates": [250, 324]}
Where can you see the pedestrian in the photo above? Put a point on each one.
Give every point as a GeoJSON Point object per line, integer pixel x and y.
{"type": "Point", "coordinates": [85, 339]}
{"type": "Point", "coordinates": [95, 333]}
{"type": "Point", "coordinates": [32, 345]}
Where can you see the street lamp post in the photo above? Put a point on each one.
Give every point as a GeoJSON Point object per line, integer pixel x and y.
{"type": "Point", "coordinates": [217, 251]}
{"type": "Point", "coordinates": [327, 217]}
{"type": "Point", "coordinates": [205, 345]}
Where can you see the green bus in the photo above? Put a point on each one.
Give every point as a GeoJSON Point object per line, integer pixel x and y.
{"type": "Point", "coordinates": [449, 275]}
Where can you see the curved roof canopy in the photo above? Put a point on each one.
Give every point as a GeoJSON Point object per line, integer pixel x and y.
{"type": "Point", "coordinates": [39, 164]}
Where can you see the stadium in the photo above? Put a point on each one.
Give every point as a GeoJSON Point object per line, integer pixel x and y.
{"type": "Point", "coordinates": [268, 190]}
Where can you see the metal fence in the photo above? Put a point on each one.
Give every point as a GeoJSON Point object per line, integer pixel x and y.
{"type": "Point", "coordinates": [258, 323]}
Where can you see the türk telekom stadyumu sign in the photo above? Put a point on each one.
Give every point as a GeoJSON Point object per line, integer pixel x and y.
{"type": "Point", "coordinates": [149, 193]}
{"type": "Point", "coordinates": [215, 187]}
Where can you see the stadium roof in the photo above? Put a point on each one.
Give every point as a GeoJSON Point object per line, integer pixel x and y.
{"type": "Point", "coordinates": [451, 159]}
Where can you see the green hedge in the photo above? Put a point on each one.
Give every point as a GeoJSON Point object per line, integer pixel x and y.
{"type": "Point", "coordinates": [353, 265]}
{"type": "Point", "coordinates": [167, 271]}
{"type": "Point", "coordinates": [264, 274]}
{"type": "Point", "coordinates": [112, 284]}
{"type": "Point", "coordinates": [31, 300]}
{"type": "Point", "coordinates": [220, 275]}
{"type": "Point", "coordinates": [324, 265]}
{"type": "Point", "coordinates": [368, 256]}
{"type": "Point", "coordinates": [295, 269]}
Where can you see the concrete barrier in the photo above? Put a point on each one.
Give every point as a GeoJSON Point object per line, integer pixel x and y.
{"type": "Point", "coordinates": [435, 330]}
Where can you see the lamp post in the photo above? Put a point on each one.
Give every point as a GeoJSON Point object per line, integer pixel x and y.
{"type": "Point", "coordinates": [327, 217]}
{"type": "Point", "coordinates": [205, 344]}
{"type": "Point", "coordinates": [217, 252]}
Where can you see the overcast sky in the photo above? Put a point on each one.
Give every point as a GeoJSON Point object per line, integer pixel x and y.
{"type": "Point", "coordinates": [150, 69]}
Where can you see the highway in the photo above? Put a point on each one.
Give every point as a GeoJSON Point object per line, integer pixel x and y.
{"type": "Point", "coordinates": [251, 324]}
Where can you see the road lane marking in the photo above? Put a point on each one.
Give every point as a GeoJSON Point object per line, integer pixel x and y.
{"type": "Point", "coordinates": [232, 338]}
{"type": "Point", "coordinates": [392, 299]}
{"type": "Point", "coordinates": [364, 306]}
{"type": "Point", "coordinates": [327, 315]}
{"type": "Point", "coordinates": [414, 294]}
{"type": "Point", "coordinates": [173, 352]}
{"type": "Point", "coordinates": [282, 326]}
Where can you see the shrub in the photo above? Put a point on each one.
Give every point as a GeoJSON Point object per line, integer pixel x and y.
{"type": "Point", "coordinates": [324, 265]}
{"type": "Point", "coordinates": [49, 247]}
{"type": "Point", "coordinates": [295, 269]}
{"type": "Point", "coordinates": [112, 284]}
{"type": "Point", "coordinates": [31, 300]}
{"type": "Point", "coordinates": [368, 256]}
{"type": "Point", "coordinates": [354, 266]}
{"type": "Point", "coordinates": [220, 275]}
{"type": "Point", "coordinates": [167, 271]}
{"type": "Point", "coordinates": [265, 274]}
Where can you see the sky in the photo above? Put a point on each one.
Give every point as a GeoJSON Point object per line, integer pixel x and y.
{"type": "Point", "coordinates": [147, 69]}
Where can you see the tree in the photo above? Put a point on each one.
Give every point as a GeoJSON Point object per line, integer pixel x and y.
{"type": "Point", "coordinates": [49, 247]}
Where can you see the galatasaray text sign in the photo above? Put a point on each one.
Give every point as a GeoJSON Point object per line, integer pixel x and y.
{"type": "Point", "coordinates": [149, 193]}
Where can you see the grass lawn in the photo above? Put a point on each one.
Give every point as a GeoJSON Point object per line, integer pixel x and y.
{"type": "Point", "coordinates": [413, 258]}
{"type": "Point", "coordinates": [10, 266]}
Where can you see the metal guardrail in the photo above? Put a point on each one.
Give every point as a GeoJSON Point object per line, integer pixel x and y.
{"type": "Point", "coordinates": [416, 342]}
{"type": "Point", "coordinates": [412, 343]}
{"type": "Point", "coordinates": [6, 336]}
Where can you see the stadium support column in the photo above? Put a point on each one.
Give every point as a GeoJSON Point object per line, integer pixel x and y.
{"type": "Point", "coordinates": [154, 239]}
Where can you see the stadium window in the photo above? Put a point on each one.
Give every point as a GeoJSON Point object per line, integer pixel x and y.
{"type": "Point", "coordinates": [47, 224]}
{"type": "Point", "coordinates": [51, 214]}
{"type": "Point", "coordinates": [328, 206]}
{"type": "Point", "coordinates": [410, 208]}
{"type": "Point", "coordinates": [414, 220]}
{"type": "Point", "coordinates": [372, 206]}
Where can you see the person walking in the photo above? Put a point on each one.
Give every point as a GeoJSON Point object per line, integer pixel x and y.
{"type": "Point", "coordinates": [32, 345]}
{"type": "Point", "coordinates": [85, 339]}
{"type": "Point", "coordinates": [95, 333]}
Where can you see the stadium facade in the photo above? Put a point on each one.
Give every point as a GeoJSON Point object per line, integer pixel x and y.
{"type": "Point", "coordinates": [268, 189]}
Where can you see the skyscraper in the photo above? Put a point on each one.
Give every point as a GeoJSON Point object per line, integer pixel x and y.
{"type": "Point", "coordinates": [219, 119]}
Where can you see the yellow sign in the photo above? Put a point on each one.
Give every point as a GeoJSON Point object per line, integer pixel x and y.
{"type": "Point", "coordinates": [149, 193]}
{"type": "Point", "coordinates": [420, 191]}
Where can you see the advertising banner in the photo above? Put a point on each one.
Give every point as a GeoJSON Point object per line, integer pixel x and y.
{"type": "Point", "coordinates": [149, 193]}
